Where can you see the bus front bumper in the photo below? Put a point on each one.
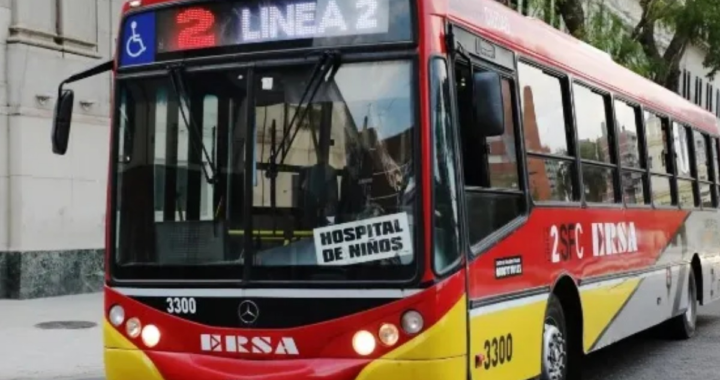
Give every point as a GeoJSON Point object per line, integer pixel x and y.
{"type": "Point", "coordinates": [121, 364]}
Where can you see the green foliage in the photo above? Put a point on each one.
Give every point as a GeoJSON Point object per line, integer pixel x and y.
{"type": "Point", "coordinates": [606, 31]}
{"type": "Point", "coordinates": [688, 22]}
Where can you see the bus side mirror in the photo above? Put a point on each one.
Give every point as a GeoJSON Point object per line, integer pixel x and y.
{"type": "Point", "coordinates": [61, 122]}
{"type": "Point", "coordinates": [489, 107]}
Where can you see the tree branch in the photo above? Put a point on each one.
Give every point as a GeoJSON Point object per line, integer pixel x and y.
{"type": "Point", "coordinates": [573, 15]}
{"type": "Point", "coordinates": [647, 41]}
{"type": "Point", "coordinates": [669, 75]}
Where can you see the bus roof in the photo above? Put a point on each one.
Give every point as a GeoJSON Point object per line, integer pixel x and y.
{"type": "Point", "coordinates": [540, 42]}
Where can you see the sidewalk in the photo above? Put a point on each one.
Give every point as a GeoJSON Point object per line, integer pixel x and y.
{"type": "Point", "coordinates": [29, 352]}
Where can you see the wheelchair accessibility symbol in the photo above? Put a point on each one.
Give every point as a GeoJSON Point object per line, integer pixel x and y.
{"type": "Point", "coordinates": [135, 45]}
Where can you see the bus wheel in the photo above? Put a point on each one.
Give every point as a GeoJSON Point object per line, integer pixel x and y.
{"type": "Point", "coordinates": [555, 343]}
{"type": "Point", "coordinates": [683, 326]}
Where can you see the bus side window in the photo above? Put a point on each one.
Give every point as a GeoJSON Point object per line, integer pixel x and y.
{"type": "Point", "coordinates": [656, 134]}
{"type": "Point", "coordinates": [550, 161]}
{"type": "Point", "coordinates": [490, 164]}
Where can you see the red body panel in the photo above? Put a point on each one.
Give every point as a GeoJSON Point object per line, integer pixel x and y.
{"type": "Point", "coordinates": [332, 339]}
{"type": "Point", "coordinates": [538, 41]}
{"type": "Point", "coordinates": [425, 43]}
{"type": "Point", "coordinates": [534, 242]}
{"type": "Point", "coordinates": [191, 367]}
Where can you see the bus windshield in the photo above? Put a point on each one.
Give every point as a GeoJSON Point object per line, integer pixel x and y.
{"type": "Point", "coordinates": [215, 173]}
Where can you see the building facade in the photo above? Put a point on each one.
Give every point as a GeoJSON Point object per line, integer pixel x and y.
{"type": "Point", "coordinates": [694, 84]}
{"type": "Point", "coordinates": [52, 208]}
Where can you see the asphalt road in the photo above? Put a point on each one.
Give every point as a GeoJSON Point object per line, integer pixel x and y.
{"type": "Point", "coordinates": [649, 356]}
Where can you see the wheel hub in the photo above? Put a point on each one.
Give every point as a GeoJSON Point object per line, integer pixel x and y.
{"type": "Point", "coordinates": [554, 353]}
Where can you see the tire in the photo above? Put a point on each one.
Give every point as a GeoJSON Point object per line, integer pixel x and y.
{"type": "Point", "coordinates": [683, 326]}
{"type": "Point", "coordinates": [559, 361]}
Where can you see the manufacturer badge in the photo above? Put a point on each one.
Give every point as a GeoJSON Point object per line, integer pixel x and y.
{"type": "Point", "coordinates": [248, 312]}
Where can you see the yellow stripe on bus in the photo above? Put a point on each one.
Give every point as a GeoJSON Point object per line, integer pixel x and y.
{"type": "Point", "coordinates": [123, 360]}
{"type": "Point", "coordinates": [508, 337]}
{"type": "Point", "coordinates": [436, 353]}
{"type": "Point", "coordinates": [600, 305]}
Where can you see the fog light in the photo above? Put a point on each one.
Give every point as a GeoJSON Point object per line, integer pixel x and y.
{"type": "Point", "coordinates": [388, 334]}
{"type": "Point", "coordinates": [412, 322]}
{"type": "Point", "coordinates": [117, 315]}
{"type": "Point", "coordinates": [150, 336]}
{"type": "Point", "coordinates": [133, 327]}
{"type": "Point", "coordinates": [363, 342]}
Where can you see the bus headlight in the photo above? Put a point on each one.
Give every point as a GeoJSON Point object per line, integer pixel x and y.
{"type": "Point", "coordinates": [133, 327]}
{"type": "Point", "coordinates": [412, 322]}
{"type": "Point", "coordinates": [388, 334]}
{"type": "Point", "coordinates": [363, 342]}
{"type": "Point", "coordinates": [116, 315]}
{"type": "Point", "coordinates": [150, 336]}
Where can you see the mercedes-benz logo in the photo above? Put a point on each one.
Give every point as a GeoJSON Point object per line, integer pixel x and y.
{"type": "Point", "coordinates": [248, 312]}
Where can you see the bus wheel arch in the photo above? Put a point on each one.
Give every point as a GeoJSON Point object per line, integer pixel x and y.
{"type": "Point", "coordinates": [696, 267]}
{"type": "Point", "coordinates": [566, 297]}
{"type": "Point", "coordinates": [684, 326]}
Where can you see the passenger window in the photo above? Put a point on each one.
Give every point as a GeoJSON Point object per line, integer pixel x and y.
{"type": "Point", "coordinates": [702, 166]}
{"type": "Point", "coordinates": [594, 145]}
{"type": "Point", "coordinates": [542, 104]}
{"type": "Point", "coordinates": [502, 154]}
{"type": "Point", "coordinates": [447, 232]}
{"type": "Point", "coordinates": [634, 178]}
{"type": "Point", "coordinates": [656, 133]}
{"type": "Point", "coordinates": [701, 157]}
{"type": "Point", "coordinates": [716, 168]}
{"type": "Point", "coordinates": [592, 130]}
{"type": "Point", "coordinates": [682, 154]}
{"type": "Point", "coordinates": [493, 193]}
{"type": "Point", "coordinates": [550, 166]}
{"type": "Point", "coordinates": [682, 143]}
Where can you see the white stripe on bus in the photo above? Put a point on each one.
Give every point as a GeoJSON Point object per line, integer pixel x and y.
{"type": "Point", "coordinates": [504, 305]}
{"type": "Point", "coordinates": [517, 302]}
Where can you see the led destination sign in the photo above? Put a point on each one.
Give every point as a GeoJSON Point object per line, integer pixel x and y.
{"type": "Point", "coordinates": [223, 27]}
{"type": "Point", "coordinates": [226, 23]}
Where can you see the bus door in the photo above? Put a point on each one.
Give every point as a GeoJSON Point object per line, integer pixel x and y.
{"type": "Point", "coordinates": [501, 338]}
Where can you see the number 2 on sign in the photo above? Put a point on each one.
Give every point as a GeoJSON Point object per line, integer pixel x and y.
{"type": "Point", "coordinates": [195, 32]}
{"type": "Point", "coordinates": [565, 239]}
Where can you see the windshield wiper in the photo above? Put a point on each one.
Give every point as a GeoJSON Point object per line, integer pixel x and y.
{"type": "Point", "coordinates": [177, 77]}
{"type": "Point", "coordinates": [324, 72]}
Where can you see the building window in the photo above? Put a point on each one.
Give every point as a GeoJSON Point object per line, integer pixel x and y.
{"type": "Point", "coordinates": [686, 84]}
{"type": "Point", "coordinates": [709, 97]}
{"type": "Point", "coordinates": [550, 164]}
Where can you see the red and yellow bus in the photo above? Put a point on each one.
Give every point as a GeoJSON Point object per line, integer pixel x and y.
{"type": "Point", "coordinates": [390, 189]}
